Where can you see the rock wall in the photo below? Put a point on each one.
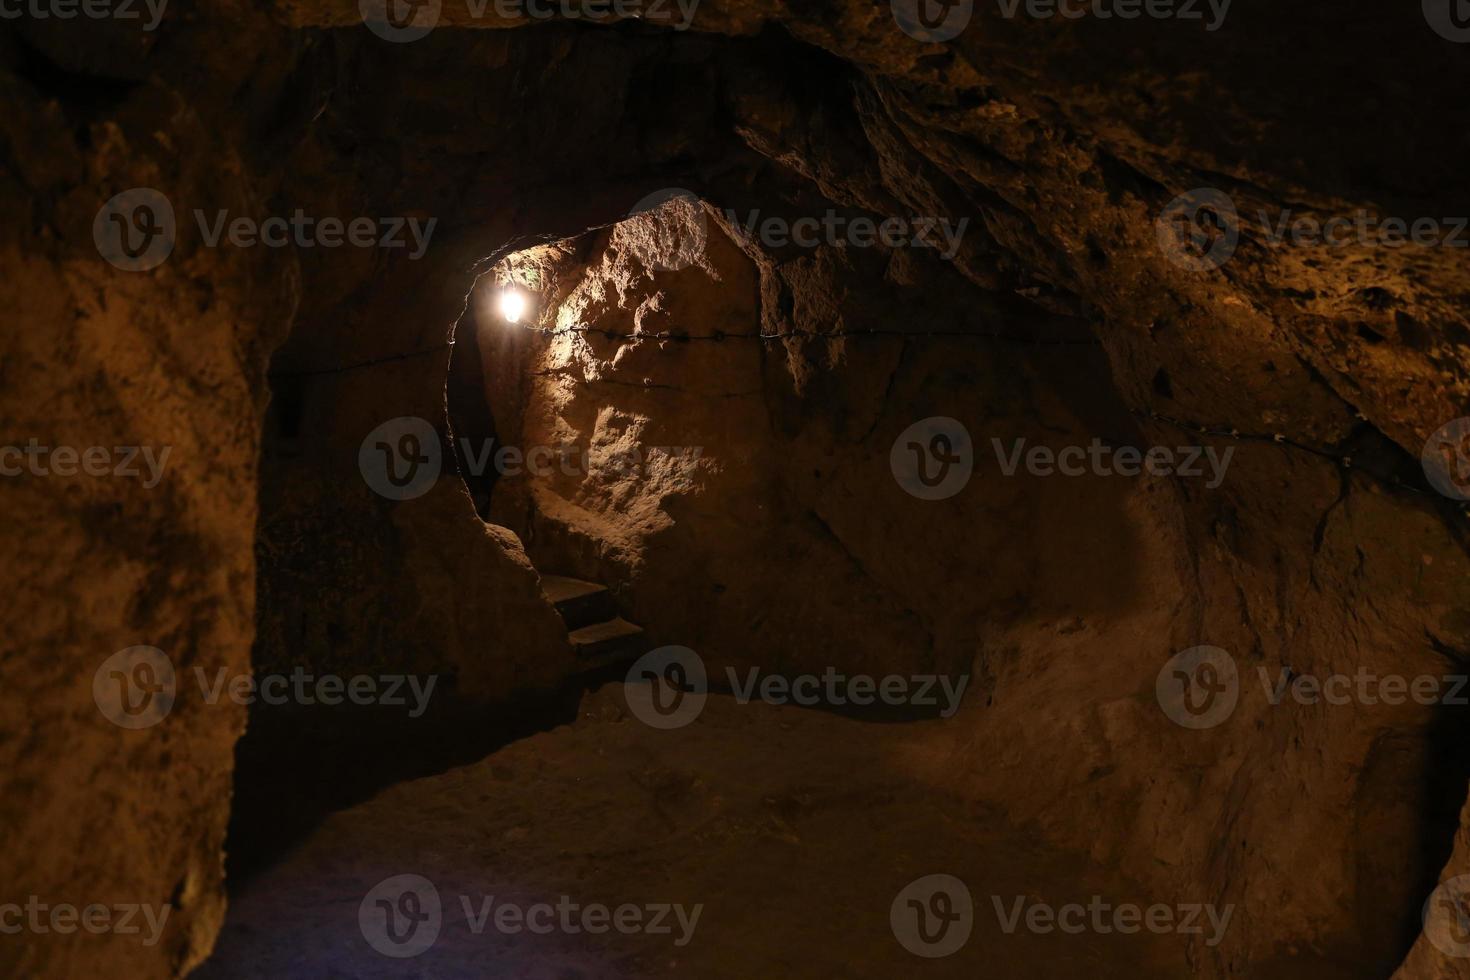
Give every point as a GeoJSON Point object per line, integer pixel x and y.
{"type": "Point", "coordinates": [1061, 598]}
{"type": "Point", "coordinates": [359, 573]}
{"type": "Point", "coordinates": [132, 524]}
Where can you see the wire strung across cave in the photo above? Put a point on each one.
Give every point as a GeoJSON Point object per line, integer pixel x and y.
{"type": "Point", "coordinates": [718, 337]}
{"type": "Point", "coordinates": [1345, 460]}
{"type": "Point", "coordinates": [1342, 459]}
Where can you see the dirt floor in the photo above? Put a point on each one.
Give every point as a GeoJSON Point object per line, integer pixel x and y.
{"type": "Point", "coordinates": [796, 831]}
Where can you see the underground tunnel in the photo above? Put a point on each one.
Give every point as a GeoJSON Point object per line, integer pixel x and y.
{"type": "Point", "coordinates": [721, 488]}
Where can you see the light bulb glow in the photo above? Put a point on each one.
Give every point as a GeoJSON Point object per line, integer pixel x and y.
{"type": "Point", "coordinates": [512, 304]}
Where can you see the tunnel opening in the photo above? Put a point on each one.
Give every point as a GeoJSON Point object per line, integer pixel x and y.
{"type": "Point", "coordinates": [299, 763]}
{"type": "Point", "coordinates": [316, 752]}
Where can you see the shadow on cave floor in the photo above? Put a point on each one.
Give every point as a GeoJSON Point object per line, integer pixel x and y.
{"type": "Point", "coordinates": [796, 835]}
{"type": "Point", "coordinates": [296, 765]}
{"type": "Point", "coordinates": [791, 830]}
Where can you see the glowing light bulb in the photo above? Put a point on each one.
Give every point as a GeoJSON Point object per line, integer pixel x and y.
{"type": "Point", "coordinates": [512, 304]}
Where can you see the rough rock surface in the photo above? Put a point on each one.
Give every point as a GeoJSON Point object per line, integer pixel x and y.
{"type": "Point", "coordinates": [1324, 823]}
{"type": "Point", "coordinates": [712, 815]}
{"type": "Point", "coordinates": [794, 470]}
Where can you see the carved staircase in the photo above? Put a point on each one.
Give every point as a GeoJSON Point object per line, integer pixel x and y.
{"type": "Point", "coordinates": [599, 636]}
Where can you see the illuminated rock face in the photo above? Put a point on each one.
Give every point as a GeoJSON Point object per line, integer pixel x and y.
{"type": "Point", "coordinates": [1060, 576]}
{"type": "Point", "coordinates": [789, 542]}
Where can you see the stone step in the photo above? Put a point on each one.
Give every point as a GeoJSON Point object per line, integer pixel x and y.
{"type": "Point", "coordinates": [580, 603]}
{"type": "Point", "coordinates": [607, 642]}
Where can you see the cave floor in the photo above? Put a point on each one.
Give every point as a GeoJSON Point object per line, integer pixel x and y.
{"type": "Point", "coordinates": [795, 829]}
